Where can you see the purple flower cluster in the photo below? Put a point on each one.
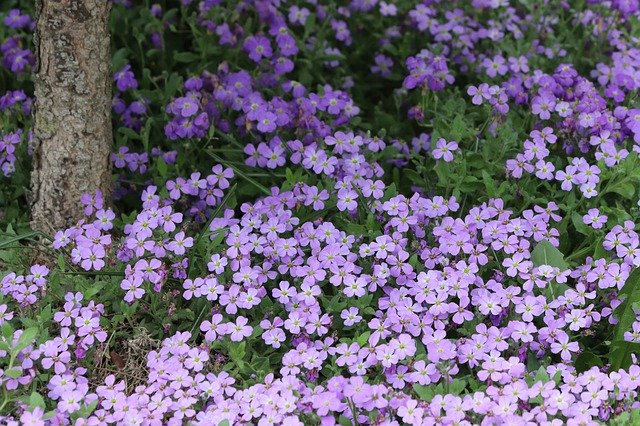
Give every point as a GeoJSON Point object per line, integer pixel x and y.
{"type": "Point", "coordinates": [337, 296]}
{"type": "Point", "coordinates": [427, 70]}
{"type": "Point", "coordinates": [25, 289]}
{"type": "Point", "coordinates": [414, 332]}
{"type": "Point", "coordinates": [15, 56]}
{"type": "Point", "coordinates": [16, 98]}
{"type": "Point", "coordinates": [8, 144]}
{"type": "Point", "coordinates": [229, 97]}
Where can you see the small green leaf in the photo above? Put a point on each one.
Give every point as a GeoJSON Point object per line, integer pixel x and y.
{"type": "Point", "coordinates": [185, 57]}
{"type": "Point", "coordinates": [237, 351]}
{"type": "Point", "coordinates": [87, 410]}
{"type": "Point", "coordinates": [7, 331]}
{"type": "Point", "coordinates": [26, 338]}
{"type": "Point", "coordinates": [363, 338]}
{"type": "Point", "coordinates": [457, 387]}
{"type": "Point", "coordinates": [131, 134]}
{"type": "Point", "coordinates": [600, 252]}
{"type": "Point", "coordinates": [14, 373]}
{"type": "Point", "coordinates": [579, 224]}
{"type": "Point", "coordinates": [489, 184]}
{"type": "Point", "coordinates": [425, 393]}
{"type": "Point", "coordinates": [36, 400]}
{"type": "Point", "coordinates": [545, 253]}
{"type": "Point", "coordinates": [344, 421]}
{"type": "Point", "coordinates": [162, 167]}
{"type": "Point", "coordinates": [541, 376]}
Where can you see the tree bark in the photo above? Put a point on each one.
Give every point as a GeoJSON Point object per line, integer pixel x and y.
{"type": "Point", "coordinates": [72, 131]}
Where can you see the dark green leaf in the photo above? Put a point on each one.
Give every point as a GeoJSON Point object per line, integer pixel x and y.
{"type": "Point", "coordinates": [586, 360]}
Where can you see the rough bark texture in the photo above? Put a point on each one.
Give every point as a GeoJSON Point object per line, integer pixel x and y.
{"type": "Point", "coordinates": [72, 132]}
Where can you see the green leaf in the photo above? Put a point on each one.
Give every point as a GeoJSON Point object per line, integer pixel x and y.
{"type": "Point", "coordinates": [86, 411]}
{"type": "Point", "coordinates": [541, 376]}
{"type": "Point", "coordinates": [620, 354]}
{"type": "Point", "coordinates": [14, 373]}
{"type": "Point", "coordinates": [334, 304]}
{"type": "Point", "coordinates": [414, 176]}
{"type": "Point", "coordinates": [7, 331]}
{"type": "Point", "coordinates": [237, 351]}
{"type": "Point", "coordinates": [355, 229]}
{"type": "Point", "coordinates": [545, 253]}
{"type": "Point", "coordinates": [579, 224]}
{"type": "Point", "coordinates": [389, 193]}
{"type": "Point", "coordinates": [131, 134]}
{"type": "Point", "coordinates": [173, 83]}
{"type": "Point", "coordinates": [36, 400]}
{"type": "Point", "coordinates": [600, 252]}
{"type": "Point", "coordinates": [586, 360]}
{"type": "Point", "coordinates": [624, 188]}
{"type": "Point", "coordinates": [260, 364]}
{"type": "Point", "coordinates": [162, 167]}
{"type": "Point", "coordinates": [425, 393]}
{"type": "Point", "coordinates": [26, 338]}
{"type": "Point", "coordinates": [457, 387]}
{"type": "Point", "coordinates": [344, 421]}
{"type": "Point", "coordinates": [489, 184]}
{"type": "Point", "coordinates": [363, 338]}
{"type": "Point", "coordinates": [185, 57]}
{"type": "Point", "coordinates": [119, 59]}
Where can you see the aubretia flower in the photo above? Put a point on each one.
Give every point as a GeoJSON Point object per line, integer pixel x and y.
{"type": "Point", "coordinates": [444, 150]}
{"type": "Point", "coordinates": [564, 347]}
{"type": "Point", "coordinates": [16, 20]}
{"type": "Point", "coordinates": [350, 316]}
{"type": "Point", "coordinates": [212, 328]}
{"type": "Point", "coordinates": [180, 243]}
{"type": "Point", "coordinates": [5, 314]}
{"type": "Point", "coordinates": [267, 121]}
{"type": "Point", "coordinates": [480, 93]}
{"type": "Point", "coordinates": [258, 47]}
{"type": "Point", "coordinates": [544, 169]}
{"type": "Point", "coordinates": [240, 329]}
{"type": "Point", "coordinates": [594, 218]}
{"type": "Point", "coordinates": [132, 286]}
{"type": "Point", "coordinates": [347, 200]}
{"type": "Point", "coordinates": [125, 79]}
{"type": "Point", "coordinates": [631, 336]}
{"type": "Point", "coordinates": [543, 105]}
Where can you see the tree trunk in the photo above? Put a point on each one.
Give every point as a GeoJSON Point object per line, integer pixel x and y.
{"type": "Point", "coordinates": [72, 131]}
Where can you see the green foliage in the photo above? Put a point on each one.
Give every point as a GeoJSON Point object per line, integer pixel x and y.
{"type": "Point", "coordinates": [621, 350]}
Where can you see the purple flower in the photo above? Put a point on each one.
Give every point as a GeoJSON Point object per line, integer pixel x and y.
{"type": "Point", "coordinates": [125, 79]}
{"type": "Point", "coordinates": [240, 329]}
{"type": "Point", "coordinates": [347, 200]}
{"type": "Point", "coordinates": [594, 218]}
{"type": "Point", "coordinates": [258, 47]}
{"type": "Point", "coordinates": [444, 150]}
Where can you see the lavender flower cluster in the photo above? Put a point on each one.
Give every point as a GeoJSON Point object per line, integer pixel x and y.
{"type": "Point", "coordinates": [303, 257]}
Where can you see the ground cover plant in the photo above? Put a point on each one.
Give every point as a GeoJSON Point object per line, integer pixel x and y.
{"type": "Point", "coordinates": [327, 212]}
